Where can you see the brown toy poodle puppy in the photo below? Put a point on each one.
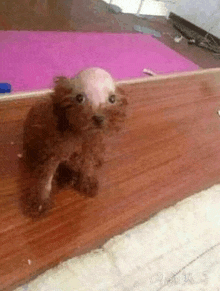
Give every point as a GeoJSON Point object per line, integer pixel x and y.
{"type": "Point", "coordinates": [63, 135]}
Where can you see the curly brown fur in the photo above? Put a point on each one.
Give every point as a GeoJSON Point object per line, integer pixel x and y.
{"type": "Point", "coordinates": [64, 135]}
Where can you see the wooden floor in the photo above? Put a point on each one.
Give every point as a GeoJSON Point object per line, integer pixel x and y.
{"type": "Point", "coordinates": [168, 150]}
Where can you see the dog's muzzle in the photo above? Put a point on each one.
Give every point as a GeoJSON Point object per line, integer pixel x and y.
{"type": "Point", "coordinates": [98, 119]}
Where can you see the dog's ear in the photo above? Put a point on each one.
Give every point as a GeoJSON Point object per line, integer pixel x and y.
{"type": "Point", "coordinates": [61, 88]}
{"type": "Point", "coordinates": [122, 95]}
{"type": "Point", "coordinates": [62, 85]}
{"type": "Point", "coordinates": [120, 90]}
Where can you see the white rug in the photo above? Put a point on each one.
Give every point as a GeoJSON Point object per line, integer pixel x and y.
{"type": "Point", "coordinates": [178, 249]}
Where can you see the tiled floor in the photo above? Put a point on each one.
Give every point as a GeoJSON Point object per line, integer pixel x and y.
{"type": "Point", "coordinates": [178, 249]}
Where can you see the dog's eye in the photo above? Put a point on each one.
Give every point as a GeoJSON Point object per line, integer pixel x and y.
{"type": "Point", "coordinates": [80, 98]}
{"type": "Point", "coordinates": [112, 99]}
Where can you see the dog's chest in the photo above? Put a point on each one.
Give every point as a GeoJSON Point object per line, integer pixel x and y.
{"type": "Point", "coordinates": [69, 145]}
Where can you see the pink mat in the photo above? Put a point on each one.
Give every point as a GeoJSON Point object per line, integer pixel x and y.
{"type": "Point", "coordinates": [30, 60]}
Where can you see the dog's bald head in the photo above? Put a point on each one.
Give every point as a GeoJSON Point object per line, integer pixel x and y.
{"type": "Point", "coordinates": [97, 85]}
{"type": "Point", "coordinates": [88, 99]}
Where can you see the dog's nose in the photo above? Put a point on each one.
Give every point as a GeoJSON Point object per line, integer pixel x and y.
{"type": "Point", "coordinates": [98, 119]}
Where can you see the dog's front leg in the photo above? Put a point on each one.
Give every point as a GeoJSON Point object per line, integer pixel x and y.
{"type": "Point", "coordinates": [87, 181]}
{"type": "Point", "coordinates": [87, 184]}
{"type": "Point", "coordinates": [41, 184]}
{"type": "Point", "coordinates": [92, 160]}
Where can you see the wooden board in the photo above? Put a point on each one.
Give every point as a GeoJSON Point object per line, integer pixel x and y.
{"type": "Point", "coordinates": [169, 149]}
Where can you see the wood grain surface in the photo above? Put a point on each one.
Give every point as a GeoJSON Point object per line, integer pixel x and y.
{"type": "Point", "coordinates": [168, 150]}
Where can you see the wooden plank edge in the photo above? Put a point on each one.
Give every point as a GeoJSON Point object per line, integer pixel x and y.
{"type": "Point", "coordinates": [41, 93]}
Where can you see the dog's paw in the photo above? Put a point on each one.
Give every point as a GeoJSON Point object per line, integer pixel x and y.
{"type": "Point", "coordinates": [88, 186]}
{"type": "Point", "coordinates": [36, 199]}
{"type": "Point", "coordinates": [34, 205]}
